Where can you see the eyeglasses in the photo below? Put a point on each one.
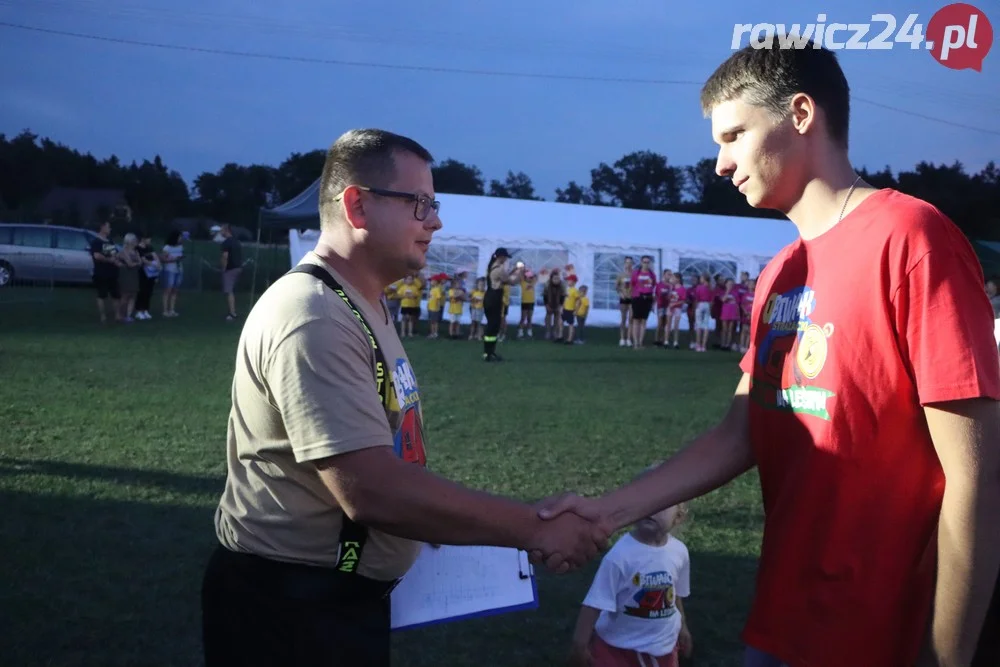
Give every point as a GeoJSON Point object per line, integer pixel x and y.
{"type": "Point", "coordinates": [422, 203]}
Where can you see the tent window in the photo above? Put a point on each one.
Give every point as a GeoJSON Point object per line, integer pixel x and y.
{"type": "Point", "coordinates": [695, 266]}
{"type": "Point", "coordinates": [607, 266]}
{"type": "Point", "coordinates": [452, 259]}
{"type": "Point", "coordinates": [536, 259]}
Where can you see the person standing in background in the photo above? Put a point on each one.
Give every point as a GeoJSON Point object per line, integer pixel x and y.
{"type": "Point", "coordinates": [128, 276]}
{"type": "Point", "coordinates": [232, 267]}
{"type": "Point", "coordinates": [623, 286]}
{"type": "Point", "coordinates": [498, 274]}
{"type": "Point", "coordinates": [106, 265]}
{"type": "Point", "coordinates": [172, 258]}
{"type": "Point", "coordinates": [643, 282]}
{"type": "Point", "coordinates": [148, 273]}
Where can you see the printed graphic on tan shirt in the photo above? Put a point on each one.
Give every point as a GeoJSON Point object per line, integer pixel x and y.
{"type": "Point", "coordinates": [409, 438]}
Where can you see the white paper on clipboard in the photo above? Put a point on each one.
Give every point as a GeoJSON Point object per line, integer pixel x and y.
{"type": "Point", "coordinates": [451, 583]}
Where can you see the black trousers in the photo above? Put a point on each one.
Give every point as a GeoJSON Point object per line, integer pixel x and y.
{"type": "Point", "coordinates": [988, 649]}
{"type": "Point", "coordinates": [143, 300]}
{"type": "Point", "coordinates": [257, 612]}
{"type": "Point", "coordinates": [493, 309]}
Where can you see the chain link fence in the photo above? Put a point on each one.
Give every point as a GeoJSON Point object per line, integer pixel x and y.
{"type": "Point", "coordinates": [33, 277]}
{"type": "Point", "coordinates": [203, 269]}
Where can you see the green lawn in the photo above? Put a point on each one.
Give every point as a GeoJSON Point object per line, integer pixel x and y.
{"type": "Point", "coordinates": [112, 459]}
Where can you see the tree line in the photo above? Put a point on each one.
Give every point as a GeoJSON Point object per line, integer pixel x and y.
{"type": "Point", "coordinates": [31, 166]}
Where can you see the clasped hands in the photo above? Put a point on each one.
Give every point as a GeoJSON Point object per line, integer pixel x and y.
{"type": "Point", "coordinates": [574, 530]}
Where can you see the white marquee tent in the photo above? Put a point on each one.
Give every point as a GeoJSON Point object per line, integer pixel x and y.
{"type": "Point", "coordinates": [593, 239]}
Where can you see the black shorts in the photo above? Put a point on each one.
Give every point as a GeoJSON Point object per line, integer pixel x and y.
{"type": "Point", "coordinates": [410, 312]}
{"type": "Point", "coordinates": [625, 302]}
{"type": "Point", "coordinates": [527, 308]}
{"type": "Point", "coordinates": [107, 286]}
{"type": "Point", "coordinates": [506, 309]}
{"type": "Point", "coordinates": [641, 306]}
{"type": "Point", "coordinates": [567, 316]}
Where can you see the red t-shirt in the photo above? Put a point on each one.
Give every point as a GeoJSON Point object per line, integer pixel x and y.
{"type": "Point", "coordinates": [851, 334]}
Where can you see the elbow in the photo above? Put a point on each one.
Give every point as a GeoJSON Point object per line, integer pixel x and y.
{"type": "Point", "coordinates": [360, 482]}
{"type": "Point", "coordinates": [364, 502]}
{"type": "Point", "coordinates": [358, 504]}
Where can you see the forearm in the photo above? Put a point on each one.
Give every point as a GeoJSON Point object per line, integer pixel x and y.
{"type": "Point", "coordinates": [407, 500]}
{"type": "Point", "coordinates": [710, 461]}
{"type": "Point", "coordinates": [967, 568]}
{"type": "Point", "coordinates": [585, 623]}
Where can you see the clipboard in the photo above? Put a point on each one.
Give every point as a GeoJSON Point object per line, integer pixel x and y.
{"type": "Point", "coordinates": [454, 583]}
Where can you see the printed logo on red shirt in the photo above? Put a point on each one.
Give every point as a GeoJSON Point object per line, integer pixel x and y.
{"type": "Point", "coordinates": [793, 352]}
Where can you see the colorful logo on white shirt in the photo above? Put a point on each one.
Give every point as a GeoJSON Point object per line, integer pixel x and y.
{"type": "Point", "coordinates": [655, 597]}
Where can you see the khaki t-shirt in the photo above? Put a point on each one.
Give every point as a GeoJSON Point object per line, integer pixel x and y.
{"type": "Point", "coordinates": [304, 389]}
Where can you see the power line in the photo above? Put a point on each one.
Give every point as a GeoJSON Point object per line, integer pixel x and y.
{"type": "Point", "coordinates": [924, 116]}
{"type": "Point", "coordinates": [445, 70]}
{"type": "Point", "coordinates": [348, 63]}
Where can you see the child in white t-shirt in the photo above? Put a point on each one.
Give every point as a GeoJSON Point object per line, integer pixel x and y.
{"type": "Point", "coordinates": [633, 615]}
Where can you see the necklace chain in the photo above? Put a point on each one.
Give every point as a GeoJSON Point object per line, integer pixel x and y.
{"type": "Point", "coordinates": [848, 197]}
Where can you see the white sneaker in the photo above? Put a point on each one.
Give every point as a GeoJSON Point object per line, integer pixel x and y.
{"type": "Point", "coordinates": [621, 343]}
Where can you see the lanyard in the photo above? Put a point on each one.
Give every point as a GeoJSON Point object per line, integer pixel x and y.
{"type": "Point", "coordinates": [352, 535]}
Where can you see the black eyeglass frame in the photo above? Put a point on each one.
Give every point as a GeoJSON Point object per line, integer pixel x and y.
{"type": "Point", "coordinates": [418, 199]}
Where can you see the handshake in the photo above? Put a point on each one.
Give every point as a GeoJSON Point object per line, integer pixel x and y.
{"type": "Point", "coordinates": [573, 531]}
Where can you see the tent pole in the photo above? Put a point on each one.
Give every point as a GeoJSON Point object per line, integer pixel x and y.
{"type": "Point", "coordinates": [256, 262]}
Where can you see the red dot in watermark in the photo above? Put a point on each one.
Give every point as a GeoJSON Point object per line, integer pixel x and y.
{"type": "Point", "coordinates": [959, 36]}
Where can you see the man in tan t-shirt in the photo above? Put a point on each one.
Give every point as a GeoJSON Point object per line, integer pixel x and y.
{"type": "Point", "coordinates": [327, 499]}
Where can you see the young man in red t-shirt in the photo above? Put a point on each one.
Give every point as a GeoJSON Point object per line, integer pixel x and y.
{"type": "Point", "coordinates": [872, 378]}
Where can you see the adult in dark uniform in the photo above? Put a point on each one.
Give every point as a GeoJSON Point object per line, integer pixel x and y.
{"type": "Point", "coordinates": [498, 274]}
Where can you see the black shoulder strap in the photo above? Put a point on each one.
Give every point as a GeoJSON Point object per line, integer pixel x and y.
{"type": "Point", "coordinates": [352, 534]}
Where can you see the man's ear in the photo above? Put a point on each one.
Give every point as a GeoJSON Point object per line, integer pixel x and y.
{"type": "Point", "coordinates": [354, 207]}
{"type": "Point", "coordinates": [803, 110]}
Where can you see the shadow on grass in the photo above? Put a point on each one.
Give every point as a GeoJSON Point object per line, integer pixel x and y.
{"type": "Point", "coordinates": [169, 482]}
{"type": "Point", "coordinates": [102, 582]}
{"type": "Point", "coordinates": [114, 583]}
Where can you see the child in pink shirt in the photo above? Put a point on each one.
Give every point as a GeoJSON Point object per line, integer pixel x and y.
{"type": "Point", "coordinates": [730, 315]}
{"type": "Point", "coordinates": [677, 306]}
{"type": "Point", "coordinates": [661, 293]}
{"type": "Point", "coordinates": [703, 297]}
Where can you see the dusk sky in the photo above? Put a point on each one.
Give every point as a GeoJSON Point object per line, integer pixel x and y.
{"type": "Point", "coordinates": [200, 110]}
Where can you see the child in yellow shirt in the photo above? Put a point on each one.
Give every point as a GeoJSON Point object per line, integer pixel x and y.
{"type": "Point", "coordinates": [435, 303]}
{"type": "Point", "coordinates": [570, 303]}
{"type": "Point", "coordinates": [392, 300]}
{"type": "Point", "coordinates": [527, 304]}
{"type": "Point", "coordinates": [456, 304]}
{"type": "Point", "coordinates": [409, 301]}
{"type": "Point", "coordinates": [582, 308]}
{"type": "Point", "coordinates": [476, 309]}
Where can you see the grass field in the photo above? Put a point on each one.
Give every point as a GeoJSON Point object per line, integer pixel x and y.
{"type": "Point", "coordinates": [112, 460]}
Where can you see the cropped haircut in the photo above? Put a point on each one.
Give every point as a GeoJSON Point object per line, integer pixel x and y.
{"type": "Point", "coordinates": [362, 157]}
{"type": "Point", "coordinates": [765, 75]}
